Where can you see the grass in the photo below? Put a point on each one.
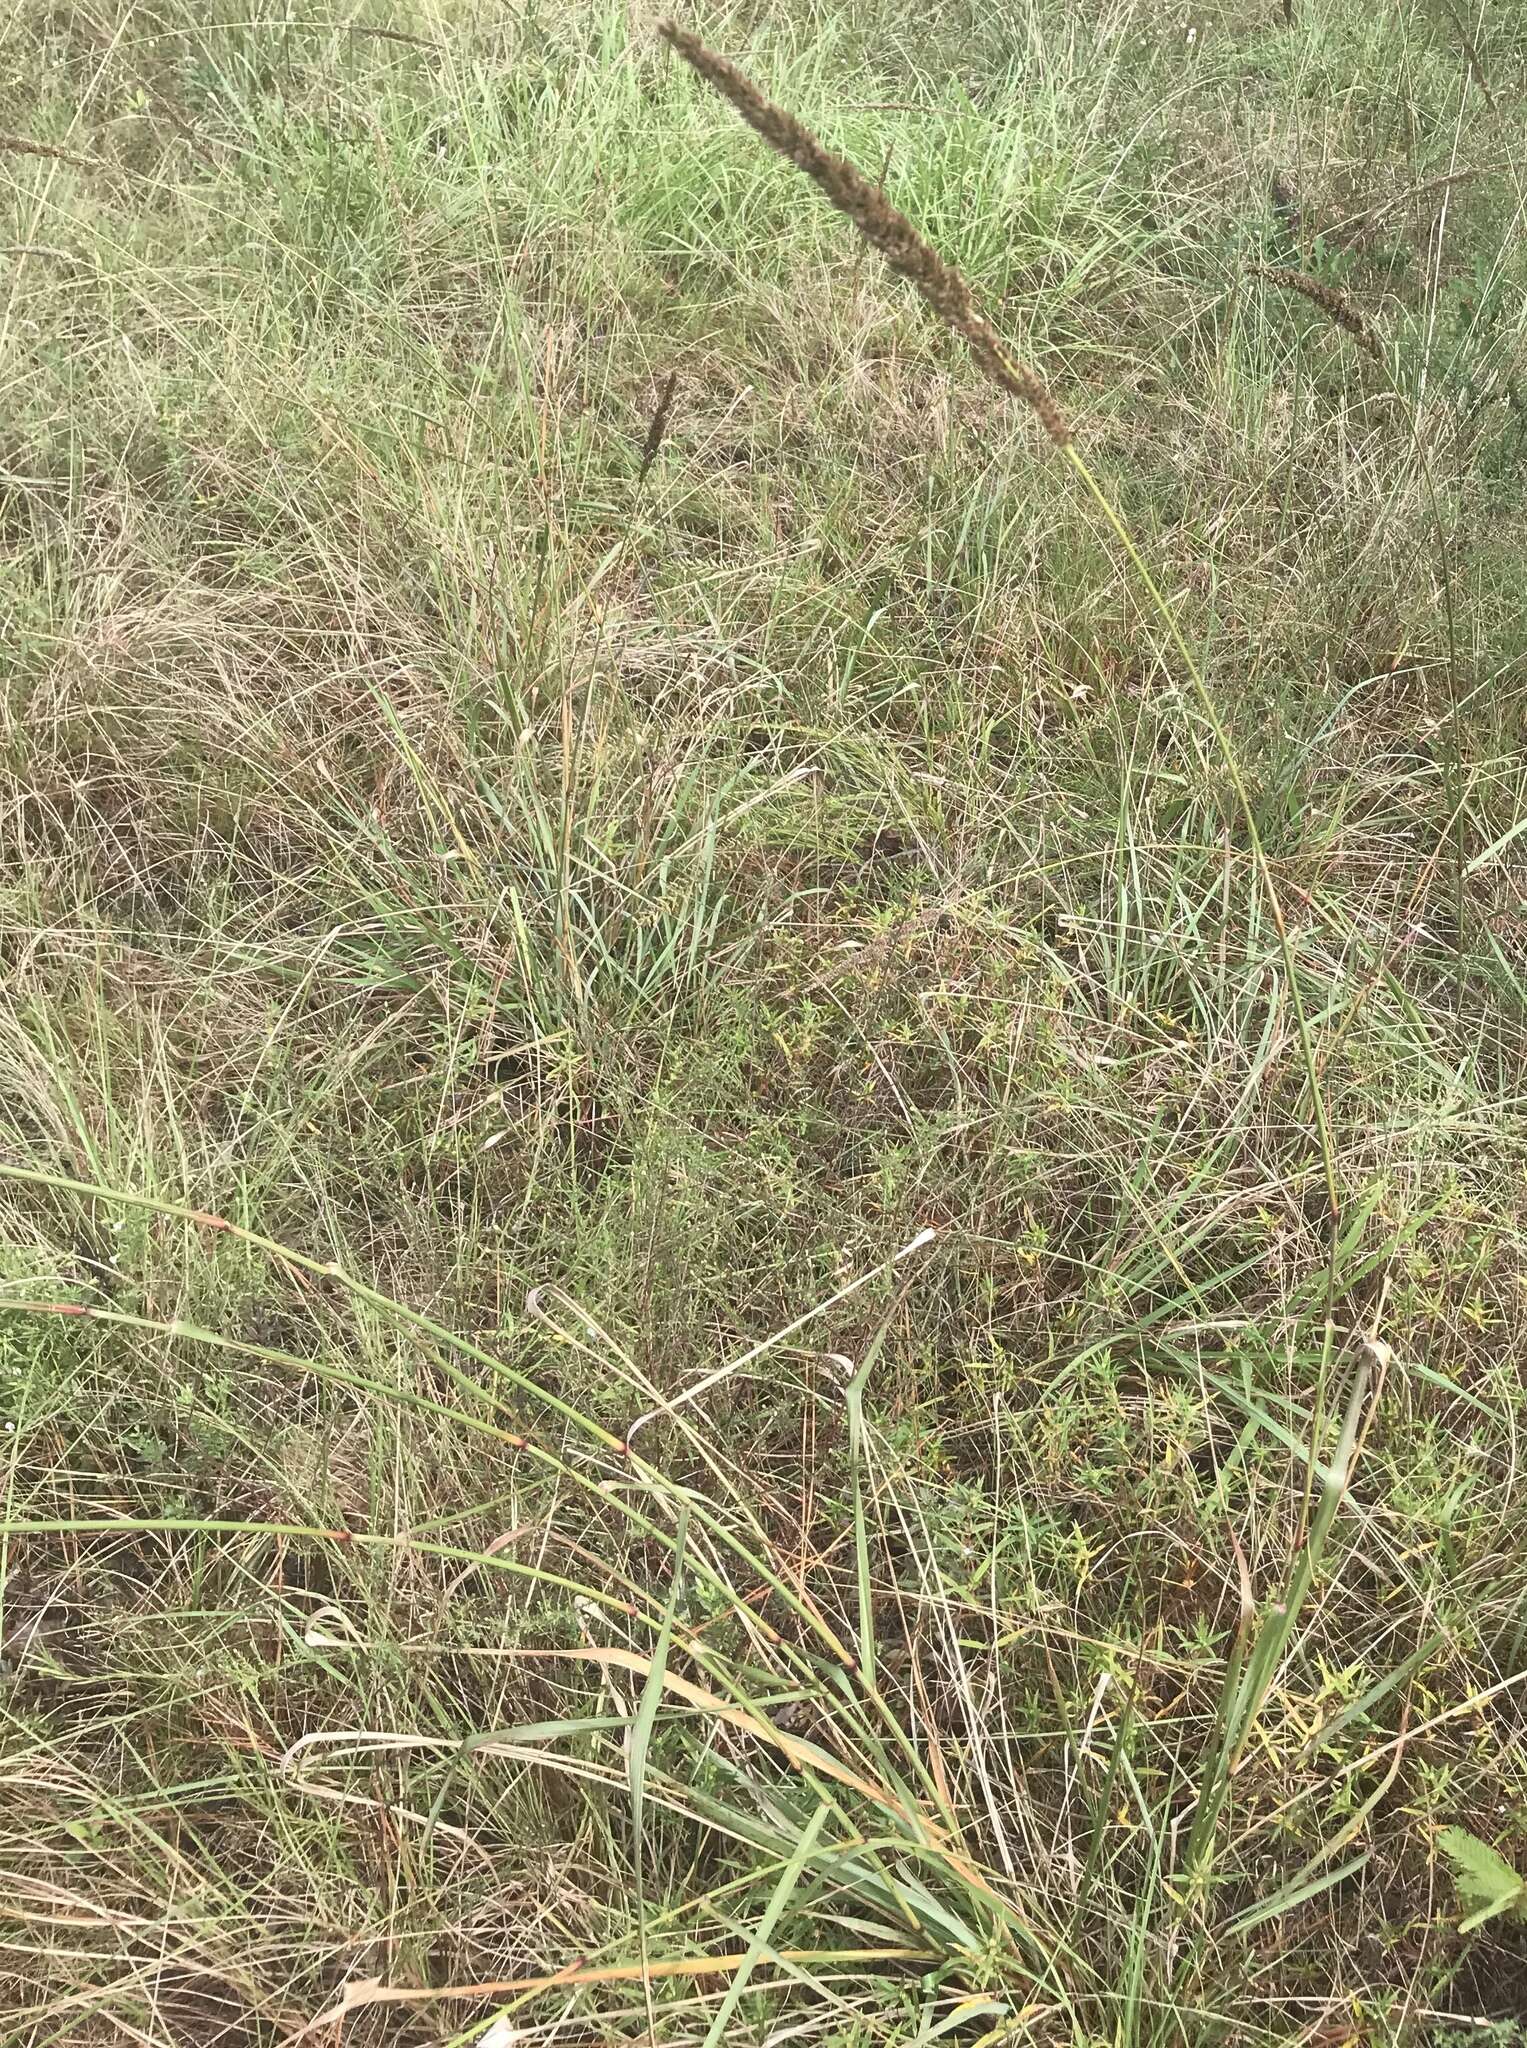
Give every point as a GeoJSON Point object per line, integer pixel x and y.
{"type": "Point", "coordinates": [763, 1203]}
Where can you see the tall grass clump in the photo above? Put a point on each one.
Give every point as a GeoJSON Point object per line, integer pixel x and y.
{"type": "Point", "coordinates": [952, 300]}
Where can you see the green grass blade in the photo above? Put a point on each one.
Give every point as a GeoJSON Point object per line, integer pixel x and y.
{"type": "Point", "coordinates": [758, 1947]}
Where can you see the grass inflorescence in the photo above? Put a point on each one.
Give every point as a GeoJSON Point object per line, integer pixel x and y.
{"type": "Point", "coordinates": [909, 253]}
{"type": "Point", "coordinates": [1334, 304]}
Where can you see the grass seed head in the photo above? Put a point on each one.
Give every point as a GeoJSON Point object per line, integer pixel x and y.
{"type": "Point", "coordinates": [908, 252]}
{"type": "Point", "coordinates": [1334, 304]}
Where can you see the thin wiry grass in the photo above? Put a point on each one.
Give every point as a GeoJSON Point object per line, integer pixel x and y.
{"type": "Point", "coordinates": [605, 916]}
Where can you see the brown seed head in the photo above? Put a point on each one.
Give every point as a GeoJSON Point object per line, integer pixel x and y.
{"type": "Point", "coordinates": [657, 426]}
{"type": "Point", "coordinates": [1332, 303]}
{"type": "Point", "coordinates": [940, 284]}
{"type": "Point", "coordinates": [22, 145]}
